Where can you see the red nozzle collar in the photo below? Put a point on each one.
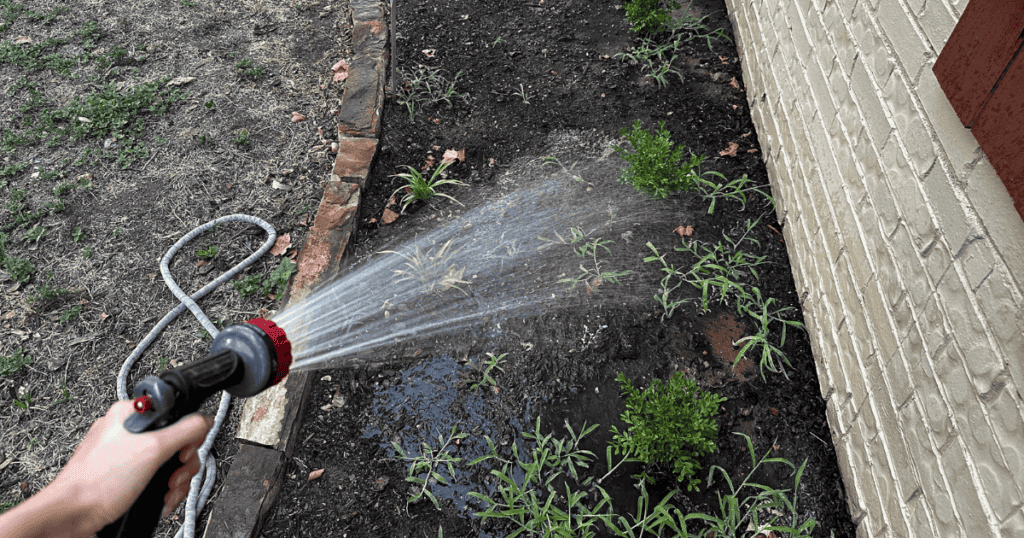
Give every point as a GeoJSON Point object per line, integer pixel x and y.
{"type": "Point", "coordinates": [282, 347]}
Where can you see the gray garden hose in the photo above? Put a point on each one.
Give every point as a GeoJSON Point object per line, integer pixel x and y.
{"type": "Point", "coordinates": [201, 485]}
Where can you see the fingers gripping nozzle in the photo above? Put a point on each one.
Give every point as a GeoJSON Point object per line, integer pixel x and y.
{"type": "Point", "coordinates": [244, 360]}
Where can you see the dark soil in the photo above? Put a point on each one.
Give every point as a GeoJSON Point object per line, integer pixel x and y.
{"type": "Point", "coordinates": [560, 368]}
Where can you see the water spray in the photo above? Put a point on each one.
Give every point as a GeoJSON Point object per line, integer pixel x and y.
{"type": "Point", "coordinates": [244, 360]}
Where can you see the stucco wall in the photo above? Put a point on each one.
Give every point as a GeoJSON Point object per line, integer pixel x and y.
{"type": "Point", "coordinates": [908, 256]}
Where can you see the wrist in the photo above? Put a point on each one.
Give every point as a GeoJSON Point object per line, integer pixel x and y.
{"type": "Point", "coordinates": [55, 511]}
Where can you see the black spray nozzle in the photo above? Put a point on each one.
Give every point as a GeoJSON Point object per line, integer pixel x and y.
{"type": "Point", "coordinates": [244, 360]}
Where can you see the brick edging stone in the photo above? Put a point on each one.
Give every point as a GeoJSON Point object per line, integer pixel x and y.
{"type": "Point", "coordinates": [271, 420]}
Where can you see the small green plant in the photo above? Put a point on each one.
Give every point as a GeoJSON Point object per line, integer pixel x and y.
{"type": "Point", "coordinates": [13, 362]}
{"type": "Point", "coordinates": [209, 105]}
{"type": "Point", "coordinates": [77, 235]}
{"type": "Point", "coordinates": [272, 286]}
{"type": "Point", "coordinates": [426, 86]}
{"type": "Point", "coordinates": [19, 269]}
{"type": "Point", "coordinates": [242, 139]}
{"type": "Point", "coordinates": [671, 424]}
{"type": "Point", "coordinates": [164, 361]}
{"type": "Point", "coordinates": [521, 92]}
{"type": "Point", "coordinates": [499, 41]}
{"type": "Point", "coordinates": [417, 187]}
{"type": "Point", "coordinates": [66, 395]}
{"type": "Point", "coordinates": [432, 269]}
{"type": "Point", "coordinates": [750, 505]}
{"type": "Point", "coordinates": [250, 69]}
{"type": "Point", "coordinates": [657, 167]}
{"type": "Point", "coordinates": [35, 234]}
{"type": "Point", "coordinates": [423, 468]}
{"type": "Point", "coordinates": [554, 161]}
{"type": "Point", "coordinates": [70, 314]}
{"type": "Point", "coordinates": [188, 3]}
{"type": "Point", "coordinates": [656, 60]}
{"type": "Point", "coordinates": [736, 189]}
{"type": "Point", "coordinates": [765, 314]}
{"type": "Point", "coordinates": [526, 486]}
{"type": "Point", "coordinates": [592, 276]}
{"type": "Point", "coordinates": [87, 252]}
{"type": "Point", "coordinates": [650, 16]}
{"type": "Point", "coordinates": [208, 253]}
{"type": "Point", "coordinates": [24, 402]}
{"type": "Point", "coordinates": [46, 292]}
{"type": "Point", "coordinates": [479, 373]}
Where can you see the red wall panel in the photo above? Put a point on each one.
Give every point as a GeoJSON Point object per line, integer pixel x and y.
{"type": "Point", "coordinates": [999, 129]}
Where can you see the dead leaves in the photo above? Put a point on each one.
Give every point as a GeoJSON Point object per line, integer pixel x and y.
{"type": "Point", "coordinates": [450, 155]}
{"type": "Point", "coordinates": [389, 216]}
{"type": "Point", "coordinates": [281, 245]}
{"type": "Point", "coordinates": [340, 70]}
{"type": "Point", "coordinates": [22, 40]}
{"type": "Point", "coordinates": [296, 117]}
{"type": "Point", "coordinates": [683, 231]}
{"type": "Point", "coordinates": [730, 151]}
{"type": "Point", "coordinates": [313, 475]}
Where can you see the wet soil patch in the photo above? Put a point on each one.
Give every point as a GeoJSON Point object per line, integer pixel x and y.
{"type": "Point", "coordinates": [529, 71]}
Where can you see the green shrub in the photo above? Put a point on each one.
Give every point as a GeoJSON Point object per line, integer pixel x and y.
{"type": "Point", "coordinates": [14, 362]}
{"type": "Point", "coordinates": [669, 424]}
{"type": "Point", "coordinates": [272, 286]}
{"type": "Point", "coordinates": [654, 164]}
{"type": "Point", "coordinates": [650, 16]}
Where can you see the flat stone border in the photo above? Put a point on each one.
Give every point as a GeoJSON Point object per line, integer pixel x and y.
{"type": "Point", "coordinates": [271, 420]}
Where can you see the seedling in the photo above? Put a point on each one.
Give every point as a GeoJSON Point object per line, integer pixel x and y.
{"type": "Point", "coordinates": [77, 235]}
{"type": "Point", "coordinates": [431, 269]}
{"type": "Point", "coordinates": [654, 59]}
{"type": "Point", "coordinates": [24, 402]}
{"type": "Point", "coordinates": [650, 16]}
{"type": "Point", "coordinates": [272, 286]}
{"type": "Point", "coordinates": [522, 94]}
{"type": "Point", "coordinates": [418, 187]}
{"type": "Point", "coordinates": [12, 363]}
{"type": "Point", "coordinates": [772, 358]}
{"type": "Point", "coordinates": [423, 468]}
{"type": "Point", "coordinates": [242, 139]}
{"type": "Point", "coordinates": [70, 314]}
{"type": "Point", "coordinates": [250, 69]}
{"type": "Point", "coordinates": [35, 234]}
{"type": "Point", "coordinates": [427, 86]}
{"type": "Point", "coordinates": [479, 374]}
{"type": "Point", "coordinates": [553, 161]}
{"type": "Point", "coordinates": [736, 189]}
{"type": "Point", "coordinates": [19, 269]}
{"type": "Point", "coordinates": [209, 252]}
{"type": "Point", "coordinates": [593, 276]}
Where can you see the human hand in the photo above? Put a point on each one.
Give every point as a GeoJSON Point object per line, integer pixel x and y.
{"type": "Point", "coordinates": [112, 466]}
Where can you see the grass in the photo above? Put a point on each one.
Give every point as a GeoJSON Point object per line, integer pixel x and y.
{"type": "Point", "coordinates": [420, 188]}
{"type": "Point", "coordinates": [426, 86]}
{"type": "Point", "coordinates": [479, 373]}
{"type": "Point", "coordinates": [272, 285]}
{"type": "Point", "coordinates": [654, 59]}
{"type": "Point", "coordinates": [423, 467]}
{"type": "Point", "coordinates": [431, 269]}
{"type": "Point", "coordinates": [592, 275]}
{"type": "Point", "coordinates": [735, 190]}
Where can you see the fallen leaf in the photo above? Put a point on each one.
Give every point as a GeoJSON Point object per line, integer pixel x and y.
{"type": "Point", "coordinates": [280, 186]}
{"type": "Point", "coordinates": [372, 220]}
{"type": "Point", "coordinates": [21, 40]}
{"type": "Point", "coordinates": [86, 120]}
{"type": "Point", "coordinates": [389, 216]}
{"type": "Point", "coordinates": [683, 231]}
{"type": "Point", "coordinates": [734, 107]}
{"type": "Point", "coordinates": [730, 151]}
{"type": "Point", "coordinates": [296, 117]}
{"type": "Point", "coordinates": [752, 150]}
{"type": "Point", "coordinates": [746, 134]}
{"type": "Point", "coordinates": [429, 53]}
{"type": "Point", "coordinates": [200, 263]}
{"type": "Point", "coordinates": [313, 475]}
{"type": "Point", "coordinates": [449, 156]}
{"type": "Point", "coordinates": [436, 148]}
{"type": "Point", "coordinates": [774, 411]}
{"type": "Point", "coordinates": [461, 155]}
{"type": "Point", "coordinates": [340, 71]}
{"type": "Point", "coordinates": [281, 245]}
{"type": "Point", "coordinates": [381, 483]}
{"type": "Point", "coordinates": [725, 59]}
{"type": "Point", "coordinates": [437, 121]}
{"type": "Point", "coordinates": [180, 81]}
{"type": "Point", "coordinates": [734, 83]}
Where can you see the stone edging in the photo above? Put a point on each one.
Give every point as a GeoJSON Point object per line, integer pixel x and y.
{"type": "Point", "coordinates": [271, 420]}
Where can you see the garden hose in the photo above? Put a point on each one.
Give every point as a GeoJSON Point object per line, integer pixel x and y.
{"type": "Point", "coordinates": [202, 482]}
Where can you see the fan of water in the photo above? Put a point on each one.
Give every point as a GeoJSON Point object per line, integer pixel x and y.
{"type": "Point", "coordinates": [557, 232]}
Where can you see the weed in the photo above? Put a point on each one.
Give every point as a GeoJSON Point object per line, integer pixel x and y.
{"type": "Point", "coordinates": [427, 86]}
{"type": "Point", "coordinates": [499, 41]}
{"type": "Point", "coordinates": [70, 314]}
{"type": "Point", "coordinates": [418, 187]}
{"type": "Point", "coordinates": [272, 286]}
{"type": "Point", "coordinates": [650, 16]}
{"type": "Point", "coordinates": [188, 3]}
{"type": "Point", "coordinates": [655, 166]}
{"type": "Point", "coordinates": [479, 373]}
{"type": "Point", "coordinates": [427, 464]}
{"type": "Point", "coordinates": [671, 424]}
{"type": "Point", "coordinates": [694, 28]}
{"type": "Point", "coordinates": [87, 252]}
{"type": "Point", "coordinates": [242, 139]}
{"type": "Point", "coordinates": [35, 234]}
{"type": "Point", "coordinates": [591, 277]}
{"type": "Point", "coordinates": [250, 69]}
{"type": "Point", "coordinates": [164, 361]}
{"type": "Point", "coordinates": [654, 59]}
{"type": "Point", "coordinates": [47, 292]}
{"type": "Point", "coordinates": [77, 235]}
{"type": "Point", "coordinates": [526, 486]}
{"type": "Point", "coordinates": [432, 269]}
{"type": "Point", "coordinates": [19, 269]}
{"type": "Point", "coordinates": [24, 402]}
{"type": "Point", "coordinates": [772, 357]}
{"type": "Point", "coordinates": [522, 94]}
{"type": "Point", "coordinates": [764, 508]}
{"type": "Point", "coordinates": [736, 189]}
{"type": "Point", "coordinates": [66, 395]}
{"type": "Point", "coordinates": [208, 253]}
{"type": "Point", "coordinates": [12, 363]}
{"type": "Point", "coordinates": [553, 161]}
{"type": "Point", "coordinates": [209, 105]}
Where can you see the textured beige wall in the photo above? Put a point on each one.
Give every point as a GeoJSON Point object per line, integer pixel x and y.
{"type": "Point", "coordinates": [908, 256]}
